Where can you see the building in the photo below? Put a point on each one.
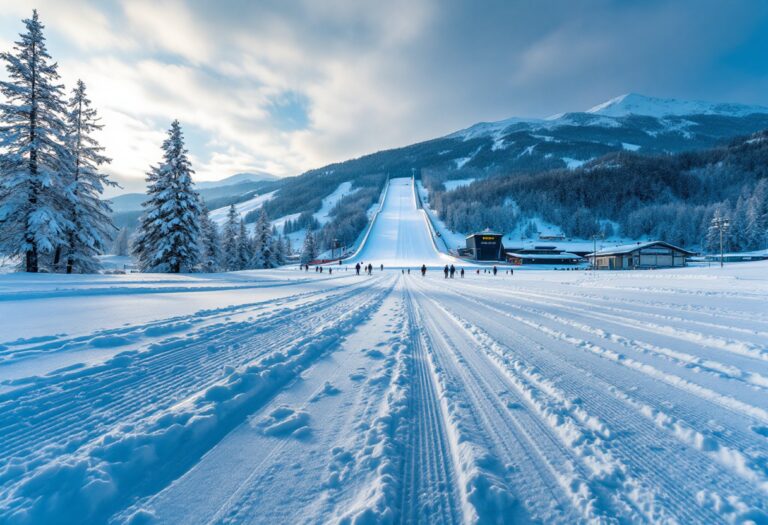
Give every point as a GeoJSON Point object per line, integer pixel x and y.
{"type": "Point", "coordinates": [484, 246]}
{"type": "Point", "coordinates": [542, 255]}
{"type": "Point", "coordinates": [641, 255]}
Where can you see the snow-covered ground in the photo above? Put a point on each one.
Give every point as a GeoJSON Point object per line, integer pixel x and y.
{"type": "Point", "coordinates": [287, 396]}
{"type": "Point", "coordinates": [219, 215]}
{"type": "Point", "coordinates": [400, 235]}
{"type": "Point", "coordinates": [324, 215]}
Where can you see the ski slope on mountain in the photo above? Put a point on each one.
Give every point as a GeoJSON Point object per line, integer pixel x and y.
{"type": "Point", "coordinates": [287, 396]}
{"type": "Point", "coordinates": [400, 236]}
{"type": "Point", "coordinates": [219, 215]}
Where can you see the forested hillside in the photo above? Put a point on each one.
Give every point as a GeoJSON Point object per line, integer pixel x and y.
{"type": "Point", "coordinates": [669, 197]}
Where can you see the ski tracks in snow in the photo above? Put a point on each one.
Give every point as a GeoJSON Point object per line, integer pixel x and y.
{"type": "Point", "coordinates": [399, 399]}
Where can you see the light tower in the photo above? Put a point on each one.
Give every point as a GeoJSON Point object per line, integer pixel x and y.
{"type": "Point", "coordinates": [721, 224]}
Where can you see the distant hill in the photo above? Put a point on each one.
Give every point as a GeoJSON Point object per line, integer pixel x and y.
{"type": "Point", "coordinates": [238, 178]}
{"type": "Point", "coordinates": [630, 123]}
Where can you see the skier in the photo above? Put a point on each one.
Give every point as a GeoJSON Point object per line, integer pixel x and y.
{"type": "Point", "coordinates": [423, 270]}
{"type": "Point", "coordinates": [478, 271]}
{"type": "Point", "coordinates": [511, 272]}
{"type": "Point", "coordinates": [357, 268]}
{"type": "Point", "coordinates": [462, 273]}
{"type": "Point", "coordinates": [495, 269]}
{"type": "Point", "coordinates": [445, 271]}
{"type": "Point", "coordinates": [370, 269]}
{"type": "Point", "coordinates": [330, 270]}
{"type": "Point", "coordinates": [409, 271]}
{"type": "Point", "coordinates": [382, 267]}
{"type": "Point", "coordinates": [452, 270]}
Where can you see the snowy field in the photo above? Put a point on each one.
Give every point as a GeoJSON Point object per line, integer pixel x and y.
{"type": "Point", "coordinates": [287, 396]}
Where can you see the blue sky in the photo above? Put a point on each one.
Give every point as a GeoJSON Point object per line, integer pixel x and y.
{"type": "Point", "coordinates": [285, 86]}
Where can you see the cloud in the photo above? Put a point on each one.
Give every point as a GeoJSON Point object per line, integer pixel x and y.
{"type": "Point", "coordinates": [285, 86]}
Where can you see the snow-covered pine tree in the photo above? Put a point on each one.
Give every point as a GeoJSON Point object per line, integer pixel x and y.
{"type": "Point", "coordinates": [278, 247]}
{"type": "Point", "coordinates": [210, 243]}
{"type": "Point", "coordinates": [231, 258]}
{"type": "Point", "coordinates": [244, 250]}
{"type": "Point", "coordinates": [757, 217]}
{"type": "Point", "coordinates": [169, 230]}
{"type": "Point", "coordinates": [121, 246]}
{"type": "Point", "coordinates": [309, 250]}
{"type": "Point", "coordinates": [90, 215]}
{"type": "Point", "coordinates": [34, 160]}
{"type": "Point", "coordinates": [263, 252]}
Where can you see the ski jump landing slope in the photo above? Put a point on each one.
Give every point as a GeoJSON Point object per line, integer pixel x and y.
{"type": "Point", "coordinates": [400, 236]}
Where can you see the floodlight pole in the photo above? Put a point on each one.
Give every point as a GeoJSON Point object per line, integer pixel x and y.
{"type": "Point", "coordinates": [722, 226]}
{"type": "Point", "coordinates": [595, 237]}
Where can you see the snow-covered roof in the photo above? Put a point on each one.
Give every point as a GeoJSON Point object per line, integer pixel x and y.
{"type": "Point", "coordinates": [484, 232]}
{"type": "Point", "coordinates": [628, 248]}
{"type": "Point", "coordinates": [553, 256]}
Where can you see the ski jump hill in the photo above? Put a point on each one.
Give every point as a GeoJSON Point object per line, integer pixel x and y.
{"type": "Point", "coordinates": [399, 234]}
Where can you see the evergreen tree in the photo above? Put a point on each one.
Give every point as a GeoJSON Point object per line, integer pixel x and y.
{"type": "Point", "coordinates": [263, 247]}
{"type": "Point", "coordinates": [34, 160]}
{"type": "Point", "coordinates": [121, 246]}
{"type": "Point", "coordinates": [309, 250]}
{"type": "Point", "coordinates": [210, 243]}
{"type": "Point", "coordinates": [757, 217]}
{"type": "Point", "coordinates": [169, 230]}
{"type": "Point", "coordinates": [90, 215]}
{"type": "Point", "coordinates": [244, 248]}
{"type": "Point", "coordinates": [231, 257]}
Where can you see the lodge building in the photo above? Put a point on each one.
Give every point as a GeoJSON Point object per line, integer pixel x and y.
{"type": "Point", "coordinates": [541, 255]}
{"type": "Point", "coordinates": [641, 255]}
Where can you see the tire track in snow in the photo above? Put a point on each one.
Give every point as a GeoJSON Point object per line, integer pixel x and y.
{"type": "Point", "coordinates": [176, 366]}
{"type": "Point", "coordinates": [730, 457]}
{"type": "Point", "coordinates": [83, 451]}
{"type": "Point", "coordinates": [431, 490]}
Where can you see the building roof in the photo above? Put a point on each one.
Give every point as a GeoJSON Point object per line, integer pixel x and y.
{"type": "Point", "coordinates": [553, 256]}
{"type": "Point", "coordinates": [629, 248]}
{"type": "Point", "coordinates": [485, 232]}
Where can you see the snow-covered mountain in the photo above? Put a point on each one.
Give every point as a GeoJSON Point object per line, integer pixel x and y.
{"type": "Point", "coordinates": [238, 178]}
{"type": "Point", "coordinates": [654, 116]}
{"type": "Point", "coordinates": [634, 104]}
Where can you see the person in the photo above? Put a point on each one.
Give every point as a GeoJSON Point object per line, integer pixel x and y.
{"type": "Point", "coordinates": [511, 272]}
{"type": "Point", "coordinates": [445, 271]}
{"type": "Point", "coordinates": [357, 268]}
{"type": "Point", "coordinates": [423, 270]}
{"type": "Point", "coordinates": [462, 273]}
{"type": "Point", "coordinates": [382, 267]}
{"type": "Point", "coordinates": [370, 269]}
{"type": "Point", "coordinates": [409, 271]}
{"type": "Point", "coordinates": [321, 269]}
{"type": "Point", "coordinates": [402, 272]}
{"type": "Point", "coordinates": [495, 269]}
{"type": "Point", "coordinates": [339, 262]}
{"type": "Point", "coordinates": [477, 271]}
{"type": "Point", "coordinates": [330, 270]}
{"type": "Point", "coordinates": [453, 271]}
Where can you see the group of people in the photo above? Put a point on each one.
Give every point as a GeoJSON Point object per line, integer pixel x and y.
{"type": "Point", "coordinates": [367, 269]}
{"type": "Point", "coordinates": [448, 271]}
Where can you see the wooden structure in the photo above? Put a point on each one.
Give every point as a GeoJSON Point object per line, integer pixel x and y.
{"type": "Point", "coordinates": [641, 255]}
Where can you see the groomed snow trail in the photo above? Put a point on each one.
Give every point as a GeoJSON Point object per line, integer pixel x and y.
{"type": "Point", "coordinates": [400, 236]}
{"type": "Point", "coordinates": [288, 396]}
